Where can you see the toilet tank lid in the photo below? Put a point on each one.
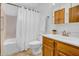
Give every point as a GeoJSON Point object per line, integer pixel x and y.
{"type": "Point", "coordinates": [35, 42]}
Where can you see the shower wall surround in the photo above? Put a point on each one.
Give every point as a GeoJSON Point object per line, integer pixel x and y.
{"type": "Point", "coordinates": [11, 18]}
{"type": "Point", "coordinates": [11, 26]}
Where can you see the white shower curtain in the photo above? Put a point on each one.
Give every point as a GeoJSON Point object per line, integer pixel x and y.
{"type": "Point", "coordinates": [27, 29]}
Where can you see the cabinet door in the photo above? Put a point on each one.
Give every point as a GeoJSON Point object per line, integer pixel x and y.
{"type": "Point", "coordinates": [47, 51]}
{"type": "Point", "coordinates": [56, 17]}
{"type": "Point", "coordinates": [48, 46]}
{"type": "Point", "coordinates": [74, 14]}
{"type": "Point", "coordinates": [59, 16]}
{"type": "Point", "coordinates": [67, 49]}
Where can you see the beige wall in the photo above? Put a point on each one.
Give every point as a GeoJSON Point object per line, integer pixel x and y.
{"type": "Point", "coordinates": [0, 29]}
{"type": "Point", "coordinates": [3, 29]}
{"type": "Point", "coordinates": [11, 26]}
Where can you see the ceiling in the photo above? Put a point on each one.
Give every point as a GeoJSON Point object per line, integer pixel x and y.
{"type": "Point", "coordinates": [30, 5]}
{"type": "Point", "coordinates": [33, 5]}
{"type": "Point", "coordinates": [42, 7]}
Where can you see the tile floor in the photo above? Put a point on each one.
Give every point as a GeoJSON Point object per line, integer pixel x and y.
{"type": "Point", "coordinates": [27, 52]}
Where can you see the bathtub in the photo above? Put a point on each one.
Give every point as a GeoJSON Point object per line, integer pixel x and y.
{"type": "Point", "coordinates": [10, 46]}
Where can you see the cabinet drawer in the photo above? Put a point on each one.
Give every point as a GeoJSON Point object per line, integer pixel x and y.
{"type": "Point", "coordinates": [67, 49]}
{"type": "Point", "coordinates": [48, 41]}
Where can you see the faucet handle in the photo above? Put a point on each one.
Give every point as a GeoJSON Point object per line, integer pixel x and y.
{"type": "Point", "coordinates": [67, 34]}
{"type": "Point", "coordinates": [64, 32]}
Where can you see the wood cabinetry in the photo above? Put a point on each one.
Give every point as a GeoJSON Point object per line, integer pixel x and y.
{"type": "Point", "coordinates": [60, 54]}
{"type": "Point", "coordinates": [48, 47]}
{"type": "Point", "coordinates": [66, 49]}
{"type": "Point", "coordinates": [47, 50]}
{"type": "Point", "coordinates": [53, 47]}
{"type": "Point", "coordinates": [74, 14]}
{"type": "Point", "coordinates": [59, 16]}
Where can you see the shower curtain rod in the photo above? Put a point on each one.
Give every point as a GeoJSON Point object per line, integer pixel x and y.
{"type": "Point", "coordinates": [15, 5]}
{"type": "Point", "coordinates": [21, 6]}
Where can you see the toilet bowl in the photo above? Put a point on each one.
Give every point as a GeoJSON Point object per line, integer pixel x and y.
{"type": "Point", "coordinates": [35, 46]}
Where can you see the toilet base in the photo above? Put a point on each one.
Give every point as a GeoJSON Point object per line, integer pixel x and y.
{"type": "Point", "coordinates": [37, 52]}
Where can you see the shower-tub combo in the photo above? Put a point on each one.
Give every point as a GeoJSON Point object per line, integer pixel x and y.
{"type": "Point", "coordinates": [23, 32]}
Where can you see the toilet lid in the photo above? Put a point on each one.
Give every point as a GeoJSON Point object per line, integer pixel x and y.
{"type": "Point", "coordinates": [35, 42]}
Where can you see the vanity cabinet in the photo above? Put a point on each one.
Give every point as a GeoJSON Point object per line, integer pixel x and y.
{"type": "Point", "coordinates": [66, 49]}
{"type": "Point", "coordinates": [48, 47]}
{"type": "Point", "coordinates": [74, 14]}
{"type": "Point", "coordinates": [59, 16]}
{"type": "Point", "coordinates": [60, 54]}
{"type": "Point", "coordinates": [52, 47]}
{"type": "Point", "coordinates": [47, 51]}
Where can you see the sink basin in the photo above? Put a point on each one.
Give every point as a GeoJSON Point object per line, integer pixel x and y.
{"type": "Point", "coordinates": [56, 36]}
{"type": "Point", "coordinates": [74, 39]}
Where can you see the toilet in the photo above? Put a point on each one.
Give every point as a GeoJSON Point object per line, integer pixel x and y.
{"type": "Point", "coordinates": [36, 46]}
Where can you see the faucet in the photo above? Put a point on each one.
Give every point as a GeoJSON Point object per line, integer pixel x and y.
{"type": "Point", "coordinates": [67, 34]}
{"type": "Point", "coordinates": [64, 33]}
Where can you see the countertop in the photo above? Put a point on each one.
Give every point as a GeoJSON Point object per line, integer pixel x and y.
{"type": "Point", "coordinates": [70, 40]}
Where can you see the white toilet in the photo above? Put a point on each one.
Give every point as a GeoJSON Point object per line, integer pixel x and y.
{"type": "Point", "coordinates": [36, 46]}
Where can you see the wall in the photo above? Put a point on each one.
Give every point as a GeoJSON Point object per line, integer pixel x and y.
{"type": "Point", "coordinates": [0, 29]}
{"type": "Point", "coordinates": [11, 10]}
{"type": "Point", "coordinates": [45, 10]}
{"type": "Point", "coordinates": [3, 28]}
{"type": "Point", "coordinates": [73, 27]}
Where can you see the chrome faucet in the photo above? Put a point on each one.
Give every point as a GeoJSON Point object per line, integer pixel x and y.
{"type": "Point", "coordinates": [64, 33]}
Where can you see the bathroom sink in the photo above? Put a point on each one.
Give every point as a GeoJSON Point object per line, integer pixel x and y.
{"type": "Point", "coordinates": [56, 36]}
{"type": "Point", "coordinates": [51, 35]}
{"type": "Point", "coordinates": [73, 39]}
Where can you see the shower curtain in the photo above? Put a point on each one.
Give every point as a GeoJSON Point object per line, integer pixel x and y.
{"type": "Point", "coordinates": [28, 27]}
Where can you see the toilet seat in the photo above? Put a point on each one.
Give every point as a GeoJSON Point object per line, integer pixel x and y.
{"type": "Point", "coordinates": [35, 42]}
